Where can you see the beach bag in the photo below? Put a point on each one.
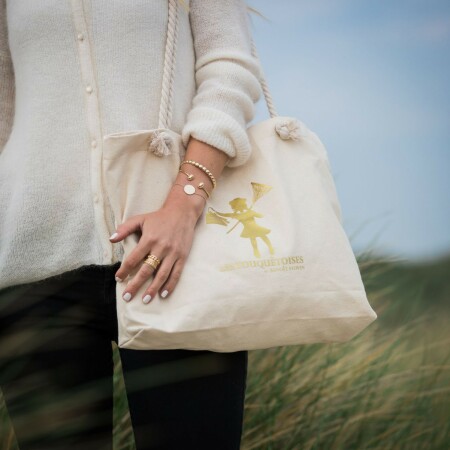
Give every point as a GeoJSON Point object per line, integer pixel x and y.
{"type": "Point", "coordinates": [270, 264]}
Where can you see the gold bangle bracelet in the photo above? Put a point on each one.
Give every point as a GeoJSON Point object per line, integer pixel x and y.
{"type": "Point", "coordinates": [202, 167]}
{"type": "Point", "coordinates": [200, 185]}
{"type": "Point", "coordinates": [190, 176]}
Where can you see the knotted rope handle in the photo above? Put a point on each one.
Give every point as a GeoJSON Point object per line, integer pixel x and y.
{"type": "Point", "coordinates": [165, 108]}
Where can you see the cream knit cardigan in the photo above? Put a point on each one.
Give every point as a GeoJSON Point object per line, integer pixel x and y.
{"type": "Point", "coordinates": [73, 71]}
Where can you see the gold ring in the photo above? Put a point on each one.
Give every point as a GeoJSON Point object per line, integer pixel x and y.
{"type": "Point", "coordinates": [153, 257]}
{"type": "Point", "coordinates": [152, 261]}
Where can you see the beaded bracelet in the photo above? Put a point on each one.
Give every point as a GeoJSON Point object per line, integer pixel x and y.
{"type": "Point", "coordinates": [200, 166]}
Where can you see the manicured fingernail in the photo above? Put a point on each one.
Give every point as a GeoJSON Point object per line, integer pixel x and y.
{"type": "Point", "coordinates": [147, 298]}
{"type": "Point", "coordinates": [127, 296]}
{"type": "Point", "coordinates": [113, 236]}
{"type": "Point", "coordinates": [164, 293]}
{"type": "Point", "coordinates": [118, 279]}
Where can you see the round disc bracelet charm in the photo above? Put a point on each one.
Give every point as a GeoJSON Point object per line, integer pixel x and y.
{"type": "Point", "coordinates": [189, 189]}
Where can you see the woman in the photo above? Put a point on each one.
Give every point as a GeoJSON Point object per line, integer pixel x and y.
{"type": "Point", "coordinates": [70, 73]}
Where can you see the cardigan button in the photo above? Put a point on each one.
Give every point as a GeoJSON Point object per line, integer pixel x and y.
{"type": "Point", "coordinates": [80, 36]}
{"type": "Point", "coordinates": [88, 89]}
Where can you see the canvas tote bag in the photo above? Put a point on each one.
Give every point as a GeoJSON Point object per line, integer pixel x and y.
{"type": "Point", "coordinates": [270, 264]}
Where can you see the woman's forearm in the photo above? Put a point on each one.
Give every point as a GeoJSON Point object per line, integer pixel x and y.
{"type": "Point", "coordinates": [210, 157]}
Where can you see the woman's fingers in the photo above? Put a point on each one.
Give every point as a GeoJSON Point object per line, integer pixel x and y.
{"type": "Point", "coordinates": [142, 276]}
{"type": "Point", "coordinates": [131, 225]}
{"type": "Point", "coordinates": [139, 253]}
{"type": "Point", "coordinates": [134, 259]}
{"type": "Point", "coordinates": [173, 278]}
{"type": "Point", "coordinates": [163, 251]}
{"type": "Point", "coordinates": [160, 242]}
{"type": "Point", "coordinates": [160, 277]}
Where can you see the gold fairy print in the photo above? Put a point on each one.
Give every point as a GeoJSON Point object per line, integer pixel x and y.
{"type": "Point", "coordinates": [246, 216]}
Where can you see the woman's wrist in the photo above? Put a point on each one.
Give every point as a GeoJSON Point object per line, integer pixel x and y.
{"type": "Point", "coordinates": [191, 204]}
{"type": "Point", "coordinates": [209, 157]}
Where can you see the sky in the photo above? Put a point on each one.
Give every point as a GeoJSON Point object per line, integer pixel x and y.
{"type": "Point", "coordinates": [371, 78]}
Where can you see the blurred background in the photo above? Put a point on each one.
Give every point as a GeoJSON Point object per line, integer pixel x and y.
{"type": "Point", "coordinates": [371, 79]}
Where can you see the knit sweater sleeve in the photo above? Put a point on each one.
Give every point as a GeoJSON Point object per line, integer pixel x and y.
{"type": "Point", "coordinates": [226, 77]}
{"type": "Point", "coordinates": [7, 83]}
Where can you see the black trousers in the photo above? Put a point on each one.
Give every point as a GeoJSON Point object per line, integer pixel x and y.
{"type": "Point", "coordinates": [56, 373]}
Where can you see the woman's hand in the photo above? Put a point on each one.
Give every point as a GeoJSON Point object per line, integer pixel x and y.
{"type": "Point", "coordinates": [168, 234]}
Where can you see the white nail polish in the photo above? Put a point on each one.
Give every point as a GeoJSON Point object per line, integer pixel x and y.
{"type": "Point", "coordinates": [147, 298]}
{"type": "Point", "coordinates": [114, 235]}
{"type": "Point", "coordinates": [127, 296]}
{"type": "Point", "coordinates": [164, 293]}
{"type": "Point", "coordinates": [118, 279]}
